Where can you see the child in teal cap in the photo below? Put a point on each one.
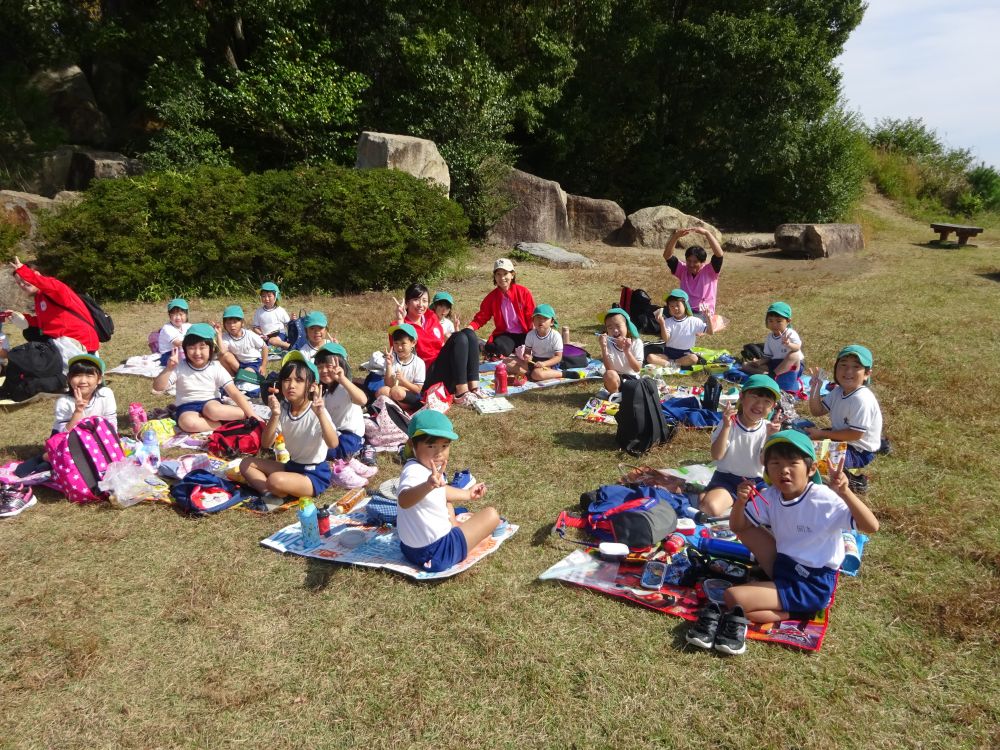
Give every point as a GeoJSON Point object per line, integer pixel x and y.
{"type": "Point", "coordinates": [86, 396]}
{"type": "Point", "coordinates": [270, 320]}
{"type": "Point", "coordinates": [783, 356]}
{"type": "Point", "coordinates": [317, 334]}
{"type": "Point", "coordinates": [794, 529]}
{"type": "Point", "coordinates": [621, 352]}
{"type": "Point", "coordinates": [345, 403]}
{"type": "Point", "coordinates": [241, 349]}
{"type": "Point", "coordinates": [443, 305]}
{"type": "Point", "coordinates": [172, 333]}
{"type": "Point", "coordinates": [405, 372]}
{"type": "Point", "coordinates": [430, 536]}
{"type": "Point", "coordinates": [680, 330]}
{"type": "Point", "coordinates": [540, 356]}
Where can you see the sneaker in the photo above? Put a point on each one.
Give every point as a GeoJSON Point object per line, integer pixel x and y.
{"type": "Point", "coordinates": [467, 399]}
{"type": "Point", "coordinates": [362, 470]}
{"type": "Point", "coordinates": [615, 398]}
{"type": "Point", "coordinates": [344, 476]}
{"type": "Point", "coordinates": [858, 483]}
{"type": "Point", "coordinates": [14, 499]}
{"type": "Point", "coordinates": [462, 479]}
{"type": "Point", "coordinates": [702, 633]}
{"type": "Point", "coordinates": [368, 454]}
{"type": "Point", "coordinates": [732, 636]}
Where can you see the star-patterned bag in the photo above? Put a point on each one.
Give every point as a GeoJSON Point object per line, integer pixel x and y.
{"type": "Point", "coordinates": [81, 457]}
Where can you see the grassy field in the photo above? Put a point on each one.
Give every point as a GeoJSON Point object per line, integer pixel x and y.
{"type": "Point", "coordinates": [145, 629]}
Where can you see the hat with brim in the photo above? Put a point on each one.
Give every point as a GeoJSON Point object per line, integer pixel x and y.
{"type": "Point", "coordinates": [503, 264]}
{"type": "Point", "coordinates": [798, 440]}
{"type": "Point", "coordinates": [762, 382]}
{"type": "Point", "coordinates": [863, 354]}
{"type": "Point", "coordinates": [92, 359]}
{"type": "Point", "coordinates": [201, 331]}
{"type": "Point", "coordinates": [632, 330]}
{"type": "Point", "coordinates": [314, 319]}
{"type": "Point", "coordinates": [270, 286]}
{"type": "Point", "coordinates": [331, 348]}
{"type": "Point", "coordinates": [546, 311]}
{"type": "Point", "coordinates": [406, 328]}
{"type": "Point", "coordinates": [433, 423]}
{"type": "Point", "coordinates": [443, 297]}
{"type": "Point", "coordinates": [297, 356]}
{"type": "Point", "coordinates": [177, 303]}
{"type": "Point", "coordinates": [233, 311]}
{"type": "Point", "coordinates": [683, 296]}
{"type": "Point", "coordinates": [780, 308]}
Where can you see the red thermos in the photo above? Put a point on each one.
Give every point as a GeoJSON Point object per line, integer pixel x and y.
{"type": "Point", "coordinates": [500, 382]}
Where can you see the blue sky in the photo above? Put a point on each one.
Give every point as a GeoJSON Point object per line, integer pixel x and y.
{"type": "Point", "coordinates": [939, 61]}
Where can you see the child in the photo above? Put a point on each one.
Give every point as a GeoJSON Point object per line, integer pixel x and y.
{"type": "Point", "coordinates": [443, 306]}
{"type": "Point", "coordinates": [738, 441]}
{"type": "Point", "coordinates": [543, 348]}
{"type": "Point", "coordinates": [316, 334]}
{"type": "Point", "coordinates": [795, 531]}
{"type": "Point", "coordinates": [405, 372]}
{"type": "Point", "coordinates": [343, 401]}
{"type": "Point", "coordinates": [855, 416]}
{"type": "Point", "coordinates": [240, 349]}
{"type": "Point", "coordinates": [270, 320]}
{"type": "Point", "coordinates": [87, 396]}
{"type": "Point", "coordinates": [199, 380]}
{"type": "Point", "coordinates": [679, 330]}
{"type": "Point", "coordinates": [783, 355]}
{"type": "Point", "coordinates": [173, 332]}
{"type": "Point", "coordinates": [429, 535]}
{"type": "Point", "coordinates": [308, 431]}
{"type": "Point", "coordinates": [621, 352]}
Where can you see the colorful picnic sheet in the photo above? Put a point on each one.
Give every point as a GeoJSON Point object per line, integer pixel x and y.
{"type": "Point", "coordinates": [593, 371]}
{"type": "Point", "coordinates": [621, 580]}
{"type": "Point", "coordinates": [354, 541]}
{"type": "Point", "coordinates": [601, 411]}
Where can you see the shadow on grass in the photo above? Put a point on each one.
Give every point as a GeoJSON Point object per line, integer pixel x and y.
{"type": "Point", "coordinates": [780, 255]}
{"type": "Point", "coordinates": [318, 574]}
{"type": "Point", "coordinates": [938, 245]}
{"type": "Point", "coordinates": [995, 276]}
{"type": "Point", "coordinates": [565, 395]}
{"type": "Point", "coordinates": [585, 441]}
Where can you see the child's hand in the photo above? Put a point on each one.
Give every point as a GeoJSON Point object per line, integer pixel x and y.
{"type": "Point", "coordinates": [439, 475]}
{"type": "Point", "coordinates": [774, 425]}
{"type": "Point", "coordinates": [603, 338]}
{"type": "Point", "coordinates": [786, 336]}
{"type": "Point", "coordinates": [175, 358]}
{"type": "Point", "coordinates": [79, 402]}
{"type": "Point", "coordinates": [658, 315]}
{"type": "Point", "coordinates": [477, 491]}
{"type": "Point", "coordinates": [704, 307]}
{"type": "Point", "coordinates": [837, 477]}
{"type": "Point", "coordinates": [816, 378]}
{"type": "Point", "coordinates": [16, 263]}
{"type": "Point", "coordinates": [743, 490]}
{"type": "Point", "coordinates": [624, 343]}
{"type": "Point", "coordinates": [338, 372]}
{"type": "Point", "coordinates": [456, 321]}
{"type": "Point", "coordinates": [273, 405]}
{"type": "Point", "coordinates": [728, 412]}
{"type": "Point", "coordinates": [400, 310]}
{"type": "Point", "coordinates": [317, 399]}
{"type": "Point", "coordinates": [217, 326]}
{"type": "Point", "coordinates": [815, 433]}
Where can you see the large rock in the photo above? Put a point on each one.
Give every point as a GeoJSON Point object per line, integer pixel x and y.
{"type": "Point", "coordinates": [417, 156]}
{"type": "Point", "coordinates": [593, 218]}
{"type": "Point", "coordinates": [790, 238]}
{"type": "Point", "coordinates": [819, 240]}
{"type": "Point", "coordinates": [23, 209]}
{"type": "Point", "coordinates": [88, 165]}
{"type": "Point", "coordinates": [539, 213]}
{"type": "Point", "coordinates": [652, 227]}
{"type": "Point", "coordinates": [747, 242]}
{"type": "Point", "coordinates": [74, 105]}
{"type": "Point", "coordinates": [556, 256]}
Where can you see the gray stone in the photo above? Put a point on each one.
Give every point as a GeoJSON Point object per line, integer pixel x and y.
{"type": "Point", "coordinates": [68, 197]}
{"type": "Point", "coordinates": [538, 214]}
{"type": "Point", "coordinates": [652, 227]}
{"type": "Point", "coordinates": [73, 104]}
{"type": "Point", "coordinates": [12, 297]}
{"type": "Point", "coordinates": [745, 243]}
{"type": "Point", "coordinates": [790, 238]}
{"type": "Point", "coordinates": [556, 256]}
{"type": "Point", "coordinates": [53, 172]}
{"type": "Point", "coordinates": [88, 165]}
{"type": "Point", "coordinates": [416, 156]}
{"type": "Point", "coordinates": [593, 218]}
{"type": "Point", "coordinates": [23, 209]}
{"type": "Point", "coordinates": [827, 240]}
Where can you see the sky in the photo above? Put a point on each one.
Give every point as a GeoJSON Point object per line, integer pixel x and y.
{"type": "Point", "coordinates": [938, 60]}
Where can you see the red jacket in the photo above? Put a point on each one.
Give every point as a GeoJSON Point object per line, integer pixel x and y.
{"type": "Point", "coordinates": [524, 305]}
{"type": "Point", "coordinates": [56, 321]}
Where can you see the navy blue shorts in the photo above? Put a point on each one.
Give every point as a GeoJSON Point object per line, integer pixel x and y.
{"type": "Point", "coordinates": [788, 381]}
{"type": "Point", "coordinates": [856, 458]}
{"type": "Point", "coordinates": [195, 406]}
{"type": "Point", "coordinates": [801, 588]}
{"type": "Point", "coordinates": [253, 364]}
{"type": "Point", "coordinates": [319, 474]}
{"type": "Point", "coordinates": [446, 552]}
{"type": "Point", "coordinates": [349, 444]}
{"type": "Point", "coordinates": [730, 482]}
{"type": "Point", "coordinates": [672, 354]}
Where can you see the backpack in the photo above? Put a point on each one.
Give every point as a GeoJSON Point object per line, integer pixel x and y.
{"type": "Point", "coordinates": [81, 457]}
{"type": "Point", "coordinates": [100, 321]}
{"type": "Point", "coordinates": [711, 393]}
{"type": "Point", "coordinates": [641, 424]}
{"type": "Point", "coordinates": [235, 438]}
{"type": "Point", "coordinates": [752, 351]}
{"type": "Point", "coordinates": [201, 492]}
{"type": "Point", "coordinates": [387, 429]}
{"type": "Point", "coordinates": [640, 308]}
{"type": "Point", "coordinates": [639, 517]}
{"type": "Point", "coordinates": [33, 367]}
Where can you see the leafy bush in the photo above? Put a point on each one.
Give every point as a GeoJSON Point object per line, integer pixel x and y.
{"type": "Point", "coordinates": [10, 235]}
{"type": "Point", "coordinates": [216, 229]}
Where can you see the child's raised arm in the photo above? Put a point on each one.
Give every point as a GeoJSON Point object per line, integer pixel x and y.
{"type": "Point", "coordinates": [161, 381]}
{"type": "Point", "coordinates": [864, 520]}
{"type": "Point", "coordinates": [721, 443]}
{"type": "Point", "coordinates": [413, 495]}
{"type": "Point", "coordinates": [816, 406]}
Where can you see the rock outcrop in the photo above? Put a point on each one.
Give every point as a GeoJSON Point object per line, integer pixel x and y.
{"type": "Point", "coordinates": [539, 213]}
{"type": "Point", "coordinates": [416, 156]}
{"type": "Point", "coordinates": [819, 240]}
{"type": "Point", "coordinates": [652, 227]}
{"type": "Point", "coordinates": [556, 256]}
{"type": "Point", "coordinates": [593, 219]}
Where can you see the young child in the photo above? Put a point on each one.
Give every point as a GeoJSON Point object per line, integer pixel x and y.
{"type": "Point", "coordinates": [443, 306]}
{"type": "Point", "coordinates": [173, 331]}
{"type": "Point", "coordinates": [621, 352]}
{"type": "Point", "coordinates": [783, 355]}
{"type": "Point", "coordinates": [240, 349]}
{"type": "Point", "coordinates": [316, 334]}
{"type": "Point", "coordinates": [200, 378]}
{"type": "Point", "coordinates": [405, 372]}
{"type": "Point", "coordinates": [855, 415]}
{"type": "Point", "coordinates": [680, 330]}
{"type": "Point", "coordinates": [270, 321]}
{"type": "Point", "coordinates": [429, 535]}
{"type": "Point", "coordinates": [86, 396]}
{"type": "Point", "coordinates": [795, 531]}
{"type": "Point", "coordinates": [343, 400]}
{"type": "Point", "coordinates": [738, 442]}
{"type": "Point", "coordinates": [543, 348]}
{"type": "Point", "coordinates": [308, 431]}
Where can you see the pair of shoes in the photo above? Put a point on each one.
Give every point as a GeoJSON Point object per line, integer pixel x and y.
{"type": "Point", "coordinates": [367, 455]}
{"type": "Point", "coordinates": [345, 476]}
{"type": "Point", "coordinates": [14, 498]}
{"type": "Point", "coordinates": [362, 469]}
{"type": "Point", "coordinates": [725, 632]}
{"type": "Point", "coordinates": [858, 483]}
{"type": "Point", "coordinates": [468, 398]}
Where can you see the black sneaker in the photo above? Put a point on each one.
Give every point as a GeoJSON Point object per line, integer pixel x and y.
{"type": "Point", "coordinates": [732, 636]}
{"type": "Point", "coordinates": [702, 633]}
{"type": "Point", "coordinates": [858, 483]}
{"type": "Point", "coordinates": [367, 455]}
{"type": "Point", "coordinates": [885, 449]}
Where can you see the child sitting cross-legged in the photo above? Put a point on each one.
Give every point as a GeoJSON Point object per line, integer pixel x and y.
{"type": "Point", "coordinates": [239, 348]}
{"type": "Point", "coordinates": [542, 353]}
{"type": "Point", "coordinates": [429, 535]}
{"type": "Point", "coordinates": [783, 355]}
{"type": "Point", "coordinates": [794, 529]}
{"type": "Point", "coordinates": [405, 372]}
{"type": "Point", "coordinates": [680, 330]}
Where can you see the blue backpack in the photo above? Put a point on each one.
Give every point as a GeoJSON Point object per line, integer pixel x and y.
{"type": "Point", "coordinates": [201, 492]}
{"type": "Point", "coordinates": [639, 516]}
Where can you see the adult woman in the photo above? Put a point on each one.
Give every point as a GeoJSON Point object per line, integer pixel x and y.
{"type": "Point", "coordinates": [510, 306]}
{"type": "Point", "coordinates": [699, 279]}
{"type": "Point", "coordinates": [454, 360]}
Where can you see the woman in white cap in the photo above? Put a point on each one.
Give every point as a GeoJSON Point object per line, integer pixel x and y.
{"type": "Point", "coordinates": [510, 306]}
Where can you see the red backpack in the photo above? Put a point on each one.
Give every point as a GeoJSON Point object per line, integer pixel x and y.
{"type": "Point", "coordinates": [236, 438]}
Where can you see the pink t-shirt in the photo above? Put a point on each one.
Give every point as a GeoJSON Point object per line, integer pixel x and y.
{"type": "Point", "coordinates": [510, 315]}
{"type": "Point", "coordinates": [701, 287]}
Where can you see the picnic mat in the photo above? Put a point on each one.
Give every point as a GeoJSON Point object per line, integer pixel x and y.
{"type": "Point", "coordinates": [593, 371]}
{"type": "Point", "coordinates": [601, 411]}
{"type": "Point", "coordinates": [143, 365]}
{"type": "Point", "coordinates": [622, 581]}
{"type": "Point", "coordinates": [354, 541]}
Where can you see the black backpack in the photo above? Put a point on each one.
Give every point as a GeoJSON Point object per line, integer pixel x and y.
{"type": "Point", "coordinates": [34, 367]}
{"type": "Point", "coordinates": [751, 352]}
{"type": "Point", "coordinates": [100, 321]}
{"type": "Point", "coordinates": [640, 308]}
{"type": "Point", "coordinates": [641, 424]}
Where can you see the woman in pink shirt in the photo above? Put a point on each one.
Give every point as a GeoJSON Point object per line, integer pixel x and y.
{"type": "Point", "coordinates": [699, 279]}
{"type": "Point", "coordinates": [509, 306]}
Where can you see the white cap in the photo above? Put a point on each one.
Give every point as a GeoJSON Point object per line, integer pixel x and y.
{"type": "Point", "coordinates": [503, 264]}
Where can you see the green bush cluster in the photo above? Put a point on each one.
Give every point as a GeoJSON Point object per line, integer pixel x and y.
{"type": "Point", "coordinates": [10, 235]}
{"type": "Point", "coordinates": [215, 229]}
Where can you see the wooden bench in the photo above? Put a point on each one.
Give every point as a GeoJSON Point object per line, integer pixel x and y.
{"type": "Point", "coordinates": [962, 232]}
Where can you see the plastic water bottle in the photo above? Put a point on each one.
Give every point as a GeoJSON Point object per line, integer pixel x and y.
{"type": "Point", "coordinates": [723, 548]}
{"type": "Point", "coordinates": [151, 449]}
{"type": "Point", "coordinates": [309, 523]}
{"type": "Point", "coordinates": [500, 382]}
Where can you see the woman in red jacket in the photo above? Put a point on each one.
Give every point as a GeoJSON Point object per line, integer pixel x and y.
{"type": "Point", "coordinates": [510, 306]}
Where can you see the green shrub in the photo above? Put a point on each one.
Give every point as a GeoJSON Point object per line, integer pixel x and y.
{"type": "Point", "coordinates": [10, 235]}
{"type": "Point", "coordinates": [215, 230]}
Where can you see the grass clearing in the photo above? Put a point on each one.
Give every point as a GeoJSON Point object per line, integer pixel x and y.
{"type": "Point", "coordinates": [142, 628]}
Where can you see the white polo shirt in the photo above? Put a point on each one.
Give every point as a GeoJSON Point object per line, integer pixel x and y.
{"type": "Point", "coordinates": [426, 521]}
{"type": "Point", "coordinates": [858, 410]}
{"type": "Point", "coordinates": [200, 385]}
{"type": "Point", "coordinates": [683, 333]}
{"type": "Point", "coordinates": [743, 453]}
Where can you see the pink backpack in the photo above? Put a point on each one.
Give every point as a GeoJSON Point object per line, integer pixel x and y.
{"type": "Point", "coordinates": [388, 428]}
{"type": "Point", "coordinates": [81, 457]}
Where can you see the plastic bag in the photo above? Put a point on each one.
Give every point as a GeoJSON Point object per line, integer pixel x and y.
{"type": "Point", "coordinates": [128, 483]}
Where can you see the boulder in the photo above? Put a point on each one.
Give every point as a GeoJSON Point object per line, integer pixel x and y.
{"type": "Point", "coordinates": [826, 240]}
{"type": "Point", "coordinates": [73, 104]}
{"type": "Point", "coordinates": [22, 209]}
{"type": "Point", "coordinates": [745, 243]}
{"type": "Point", "coordinates": [539, 213]}
{"type": "Point", "coordinates": [652, 227]}
{"type": "Point", "coordinates": [593, 218]}
{"type": "Point", "coordinates": [417, 156]}
{"type": "Point", "coordinates": [555, 256]}
{"type": "Point", "coordinates": [12, 297]}
{"type": "Point", "coordinates": [88, 165]}
{"type": "Point", "coordinates": [68, 197]}
{"type": "Point", "coordinates": [790, 238]}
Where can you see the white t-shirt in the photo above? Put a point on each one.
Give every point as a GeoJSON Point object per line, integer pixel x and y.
{"type": "Point", "coordinates": [303, 435]}
{"type": "Point", "coordinates": [427, 521]}
{"type": "Point", "coordinates": [247, 347]}
{"type": "Point", "coordinates": [807, 528]}
{"type": "Point", "coordinates": [270, 321]}
{"type": "Point", "coordinates": [683, 333]}
{"type": "Point", "coordinates": [344, 413]}
{"type": "Point", "coordinates": [200, 385]}
{"type": "Point", "coordinates": [102, 404]}
{"type": "Point", "coordinates": [414, 371]}
{"type": "Point", "coordinates": [856, 411]}
{"type": "Point", "coordinates": [619, 362]}
{"type": "Point", "coordinates": [545, 348]}
{"type": "Point", "coordinates": [774, 347]}
{"type": "Point", "coordinates": [308, 350]}
{"type": "Point", "coordinates": [743, 454]}
{"type": "Point", "coordinates": [447, 326]}
{"type": "Point", "coordinates": [169, 334]}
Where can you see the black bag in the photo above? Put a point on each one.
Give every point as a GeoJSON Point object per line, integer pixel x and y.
{"type": "Point", "coordinates": [34, 367]}
{"type": "Point", "coordinates": [710, 396]}
{"type": "Point", "coordinates": [752, 351]}
{"type": "Point", "coordinates": [640, 308]}
{"type": "Point", "coordinates": [641, 424]}
{"type": "Point", "coordinates": [270, 382]}
{"type": "Point", "coordinates": [99, 320]}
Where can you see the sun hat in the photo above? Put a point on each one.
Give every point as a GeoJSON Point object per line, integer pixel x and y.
{"type": "Point", "coordinates": [179, 303]}
{"type": "Point", "coordinates": [233, 311]}
{"type": "Point", "coordinates": [406, 328]}
{"type": "Point", "coordinates": [503, 264]}
{"type": "Point", "coordinates": [632, 330]}
{"type": "Point", "coordinates": [331, 348]}
{"type": "Point", "coordinates": [546, 311]}
{"type": "Point", "coordinates": [780, 308]}
{"type": "Point", "coordinates": [681, 295]}
{"type": "Point", "coordinates": [315, 318]}
{"type": "Point", "coordinates": [763, 382]}
{"type": "Point", "coordinates": [798, 440]}
{"type": "Point", "coordinates": [270, 286]}
{"type": "Point", "coordinates": [201, 331]}
{"type": "Point", "coordinates": [297, 356]}
{"type": "Point", "coordinates": [433, 423]}
{"type": "Point", "coordinates": [863, 354]}
{"type": "Point", "coordinates": [443, 297]}
{"type": "Point", "coordinates": [91, 358]}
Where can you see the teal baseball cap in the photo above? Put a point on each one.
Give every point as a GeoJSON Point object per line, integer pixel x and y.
{"type": "Point", "coordinates": [443, 297]}
{"type": "Point", "coordinates": [546, 311]}
{"type": "Point", "coordinates": [406, 328]}
{"type": "Point", "coordinates": [681, 295]}
{"type": "Point", "coordinates": [201, 331]}
{"type": "Point", "coordinates": [90, 359]}
{"type": "Point", "coordinates": [433, 423]}
{"type": "Point", "coordinates": [863, 354]}
{"type": "Point", "coordinates": [331, 348]}
{"type": "Point", "coordinates": [762, 382]}
{"type": "Point", "coordinates": [178, 303]}
{"type": "Point", "coordinates": [780, 308]}
{"type": "Point", "coordinates": [270, 286]}
{"type": "Point", "coordinates": [798, 440]}
{"type": "Point", "coordinates": [233, 311]}
{"type": "Point", "coordinates": [632, 330]}
{"type": "Point", "coordinates": [315, 318]}
{"type": "Point", "coordinates": [297, 356]}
